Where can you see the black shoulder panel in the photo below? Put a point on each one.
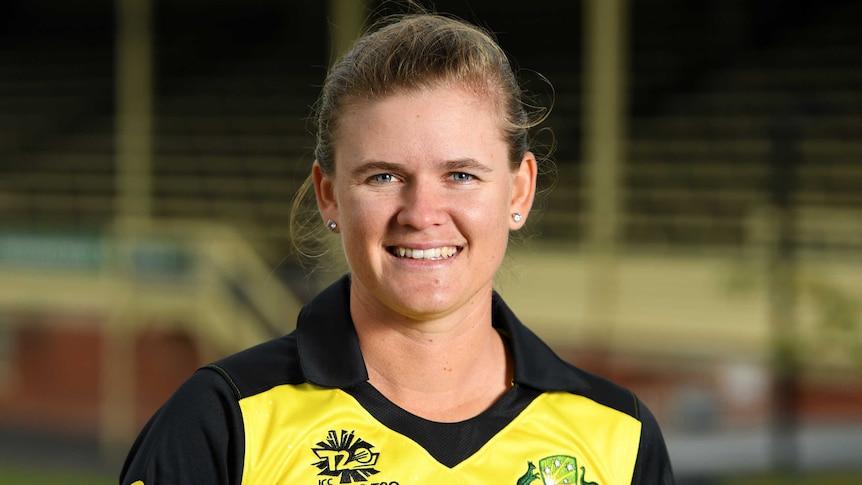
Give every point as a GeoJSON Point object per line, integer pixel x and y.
{"type": "Point", "coordinates": [611, 395]}
{"type": "Point", "coordinates": [262, 367]}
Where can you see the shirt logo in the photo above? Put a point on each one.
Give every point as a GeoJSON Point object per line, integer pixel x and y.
{"type": "Point", "coordinates": [345, 456]}
{"type": "Point", "coordinates": [555, 470]}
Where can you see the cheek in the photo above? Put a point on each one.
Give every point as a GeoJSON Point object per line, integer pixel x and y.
{"type": "Point", "coordinates": [362, 219]}
{"type": "Point", "coordinates": [351, 205]}
{"type": "Point", "coordinates": [474, 214]}
{"type": "Point", "coordinates": [486, 217]}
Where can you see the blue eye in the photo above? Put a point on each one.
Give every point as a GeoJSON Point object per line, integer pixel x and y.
{"type": "Point", "coordinates": [462, 177]}
{"type": "Point", "coordinates": [382, 178]}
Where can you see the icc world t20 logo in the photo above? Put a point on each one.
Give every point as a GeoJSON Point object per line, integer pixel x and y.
{"type": "Point", "coordinates": [345, 456]}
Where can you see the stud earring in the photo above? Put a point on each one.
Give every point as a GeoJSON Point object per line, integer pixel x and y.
{"type": "Point", "coordinates": [517, 217]}
{"type": "Point", "coordinates": [331, 225]}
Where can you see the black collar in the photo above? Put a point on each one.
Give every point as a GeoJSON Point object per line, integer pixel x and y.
{"type": "Point", "coordinates": [330, 356]}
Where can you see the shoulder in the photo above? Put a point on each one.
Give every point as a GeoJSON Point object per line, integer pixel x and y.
{"type": "Point", "coordinates": [261, 367]}
{"type": "Point", "coordinates": [197, 434]}
{"type": "Point", "coordinates": [608, 393]}
{"type": "Point", "coordinates": [539, 367]}
{"type": "Point", "coordinates": [653, 464]}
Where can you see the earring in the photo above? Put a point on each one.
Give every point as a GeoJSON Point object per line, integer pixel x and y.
{"type": "Point", "coordinates": [331, 225]}
{"type": "Point", "coordinates": [517, 217]}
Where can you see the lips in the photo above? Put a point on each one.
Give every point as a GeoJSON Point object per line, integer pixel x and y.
{"type": "Point", "coordinates": [429, 254]}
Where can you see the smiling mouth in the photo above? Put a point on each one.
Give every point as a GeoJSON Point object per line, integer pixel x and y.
{"type": "Point", "coordinates": [430, 254]}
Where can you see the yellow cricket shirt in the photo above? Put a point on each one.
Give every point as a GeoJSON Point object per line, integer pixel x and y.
{"type": "Point", "coordinates": [298, 410]}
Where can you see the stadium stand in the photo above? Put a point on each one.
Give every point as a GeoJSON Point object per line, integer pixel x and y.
{"type": "Point", "coordinates": [778, 114]}
{"type": "Point", "coordinates": [232, 140]}
{"type": "Point", "coordinates": [56, 118]}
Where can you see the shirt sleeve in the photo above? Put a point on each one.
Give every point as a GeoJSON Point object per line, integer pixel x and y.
{"type": "Point", "coordinates": [195, 437]}
{"type": "Point", "coordinates": [652, 466]}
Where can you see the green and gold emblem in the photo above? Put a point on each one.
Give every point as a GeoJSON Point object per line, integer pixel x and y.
{"type": "Point", "coordinates": [555, 470]}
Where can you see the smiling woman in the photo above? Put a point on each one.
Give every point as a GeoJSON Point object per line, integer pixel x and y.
{"type": "Point", "coordinates": [410, 368]}
{"type": "Point", "coordinates": [425, 171]}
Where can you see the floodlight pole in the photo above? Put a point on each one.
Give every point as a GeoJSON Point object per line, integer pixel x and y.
{"type": "Point", "coordinates": [346, 21]}
{"type": "Point", "coordinates": [605, 80]}
{"type": "Point", "coordinates": [134, 109]}
{"type": "Point", "coordinates": [133, 206]}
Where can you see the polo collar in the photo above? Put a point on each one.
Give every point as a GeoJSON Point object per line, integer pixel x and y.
{"type": "Point", "coordinates": [536, 365]}
{"type": "Point", "coordinates": [330, 356]}
{"type": "Point", "coordinates": [326, 339]}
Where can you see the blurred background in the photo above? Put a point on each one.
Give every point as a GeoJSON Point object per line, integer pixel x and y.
{"type": "Point", "coordinates": [700, 239]}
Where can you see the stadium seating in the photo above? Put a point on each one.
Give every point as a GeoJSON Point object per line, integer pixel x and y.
{"type": "Point", "coordinates": [711, 105]}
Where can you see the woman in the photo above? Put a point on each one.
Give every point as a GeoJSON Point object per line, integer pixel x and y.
{"type": "Point", "coordinates": [411, 369]}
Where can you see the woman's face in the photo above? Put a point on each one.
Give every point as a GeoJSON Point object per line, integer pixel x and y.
{"type": "Point", "coordinates": [423, 194]}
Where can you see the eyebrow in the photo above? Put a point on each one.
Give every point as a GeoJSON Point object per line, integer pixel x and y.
{"type": "Point", "coordinates": [457, 165]}
{"type": "Point", "coordinates": [375, 166]}
{"type": "Point", "coordinates": [466, 164]}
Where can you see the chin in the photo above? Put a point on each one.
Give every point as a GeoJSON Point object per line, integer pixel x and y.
{"type": "Point", "coordinates": [422, 306]}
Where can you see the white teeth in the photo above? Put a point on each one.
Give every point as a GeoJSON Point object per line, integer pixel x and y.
{"type": "Point", "coordinates": [427, 254]}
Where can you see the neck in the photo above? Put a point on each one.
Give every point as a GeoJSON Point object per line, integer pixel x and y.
{"type": "Point", "coordinates": [448, 369]}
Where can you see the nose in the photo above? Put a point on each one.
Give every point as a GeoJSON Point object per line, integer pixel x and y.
{"type": "Point", "coordinates": [423, 206]}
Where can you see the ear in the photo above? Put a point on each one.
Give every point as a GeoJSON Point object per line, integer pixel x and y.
{"type": "Point", "coordinates": [523, 189]}
{"type": "Point", "coordinates": [324, 191]}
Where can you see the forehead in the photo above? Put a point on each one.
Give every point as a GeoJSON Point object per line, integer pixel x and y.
{"type": "Point", "coordinates": [478, 91]}
{"type": "Point", "coordinates": [441, 121]}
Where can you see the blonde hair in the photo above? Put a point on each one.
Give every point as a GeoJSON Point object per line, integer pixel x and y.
{"type": "Point", "coordinates": [407, 52]}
